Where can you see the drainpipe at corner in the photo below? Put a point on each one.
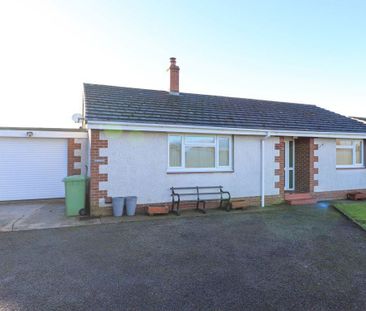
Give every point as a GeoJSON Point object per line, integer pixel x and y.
{"type": "Point", "coordinates": [263, 168]}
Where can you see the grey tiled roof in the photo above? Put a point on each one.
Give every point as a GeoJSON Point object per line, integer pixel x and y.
{"type": "Point", "coordinates": [123, 104]}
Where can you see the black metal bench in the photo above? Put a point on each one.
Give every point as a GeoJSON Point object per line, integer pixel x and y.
{"type": "Point", "coordinates": [198, 193]}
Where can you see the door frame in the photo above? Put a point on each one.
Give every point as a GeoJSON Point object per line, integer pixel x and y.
{"type": "Point", "coordinates": [287, 167]}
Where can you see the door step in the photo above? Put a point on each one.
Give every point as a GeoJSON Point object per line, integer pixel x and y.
{"type": "Point", "coordinates": [299, 198]}
{"type": "Point", "coordinates": [302, 202]}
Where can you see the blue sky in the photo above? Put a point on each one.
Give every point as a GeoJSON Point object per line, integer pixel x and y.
{"type": "Point", "coordinates": [301, 51]}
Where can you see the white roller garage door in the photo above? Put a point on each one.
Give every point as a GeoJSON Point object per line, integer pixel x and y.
{"type": "Point", "coordinates": [32, 168]}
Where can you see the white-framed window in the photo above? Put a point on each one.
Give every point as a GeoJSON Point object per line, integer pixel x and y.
{"type": "Point", "coordinates": [350, 153]}
{"type": "Point", "coordinates": [199, 153]}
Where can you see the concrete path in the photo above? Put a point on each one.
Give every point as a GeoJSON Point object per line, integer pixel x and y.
{"type": "Point", "coordinates": [38, 215]}
{"type": "Point", "coordinates": [20, 216]}
{"type": "Point", "coordinates": [11, 213]}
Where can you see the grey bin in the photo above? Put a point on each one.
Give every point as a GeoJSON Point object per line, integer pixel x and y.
{"type": "Point", "coordinates": [117, 206]}
{"type": "Point", "coordinates": [131, 205]}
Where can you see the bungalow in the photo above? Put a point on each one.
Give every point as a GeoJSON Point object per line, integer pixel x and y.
{"type": "Point", "coordinates": [142, 142]}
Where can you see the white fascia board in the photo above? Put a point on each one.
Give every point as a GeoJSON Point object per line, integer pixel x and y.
{"type": "Point", "coordinates": [168, 128]}
{"type": "Point", "coordinates": [171, 128]}
{"type": "Point", "coordinates": [319, 134]}
{"type": "Point", "coordinates": [43, 134]}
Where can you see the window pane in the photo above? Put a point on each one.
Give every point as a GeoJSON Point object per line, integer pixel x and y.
{"type": "Point", "coordinates": [291, 179]}
{"type": "Point", "coordinates": [224, 151]}
{"type": "Point", "coordinates": [200, 157]}
{"type": "Point", "coordinates": [291, 154]}
{"type": "Point", "coordinates": [344, 156]}
{"type": "Point", "coordinates": [199, 139]}
{"type": "Point", "coordinates": [175, 151]}
{"type": "Point", "coordinates": [344, 142]}
{"type": "Point", "coordinates": [358, 152]}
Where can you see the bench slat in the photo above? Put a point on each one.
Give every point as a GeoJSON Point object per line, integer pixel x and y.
{"type": "Point", "coordinates": [209, 193]}
{"type": "Point", "coordinates": [188, 188]}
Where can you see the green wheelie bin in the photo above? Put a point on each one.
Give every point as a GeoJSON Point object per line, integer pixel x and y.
{"type": "Point", "coordinates": [75, 188]}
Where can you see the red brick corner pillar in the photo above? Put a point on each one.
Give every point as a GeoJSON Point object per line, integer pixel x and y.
{"type": "Point", "coordinates": [280, 170]}
{"type": "Point", "coordinates": [313, 160]}
{"type": "Point", "coordinates": [98, 196]}
{"type": "Point", "coordinates": [73, 157]}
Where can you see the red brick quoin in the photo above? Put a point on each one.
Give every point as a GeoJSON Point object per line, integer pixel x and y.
{"type": "Point", "coordinates": [280, 171]}
{"type": "Point", "coordinates": [72, 159]}
{"type": "Point", "coordinates": [313, 159]}
{"type": "Point", "coordinates": [97, 196]}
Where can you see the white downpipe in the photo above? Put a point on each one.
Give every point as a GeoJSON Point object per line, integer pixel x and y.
{"type": "Point", "coordinates": [263, 169]}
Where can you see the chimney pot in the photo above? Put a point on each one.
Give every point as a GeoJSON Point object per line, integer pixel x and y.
{"type": "Point", "coordinates": [174, 77]}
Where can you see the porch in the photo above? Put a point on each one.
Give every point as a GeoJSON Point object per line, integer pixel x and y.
{"type": "Point", "coordinates": [299, 170]}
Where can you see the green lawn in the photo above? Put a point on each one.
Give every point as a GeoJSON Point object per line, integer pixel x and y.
{"type": "Point", "coordinates": [355, 211]}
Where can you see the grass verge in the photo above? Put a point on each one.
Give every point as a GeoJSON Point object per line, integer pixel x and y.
{"type": "Point", "coordinates": [355, 211]}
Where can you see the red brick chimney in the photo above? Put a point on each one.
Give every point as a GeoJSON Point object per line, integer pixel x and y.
{"type": "Point", "coordinates": [174, 77]}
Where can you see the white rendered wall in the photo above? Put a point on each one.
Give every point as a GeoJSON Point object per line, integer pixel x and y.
{"type": "Point", "coordinates": [330, 178]}
{"type": "Point", "coordinates": [137, 165]}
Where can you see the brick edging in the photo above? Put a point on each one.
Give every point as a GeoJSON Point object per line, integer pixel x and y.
{"type": "Point", "coordinates": [188, 205]}
{"type": "Point", "coordinates": [335, 195]}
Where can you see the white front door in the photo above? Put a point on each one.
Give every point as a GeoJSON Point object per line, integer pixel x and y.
{"type": "Point", "coordinates": [289, 164]}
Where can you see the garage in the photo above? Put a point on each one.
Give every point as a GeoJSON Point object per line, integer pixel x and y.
{"type": "Point", "coordinates": [34, 162]}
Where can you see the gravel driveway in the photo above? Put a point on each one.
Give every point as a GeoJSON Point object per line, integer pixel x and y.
{"type": "Point", "coordinates": [294, 258]}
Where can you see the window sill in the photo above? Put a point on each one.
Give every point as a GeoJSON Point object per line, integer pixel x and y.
{"type": "Point", "coordinates": [188, 171]}
{"type": "Point", "coordinates": [351, 168]}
